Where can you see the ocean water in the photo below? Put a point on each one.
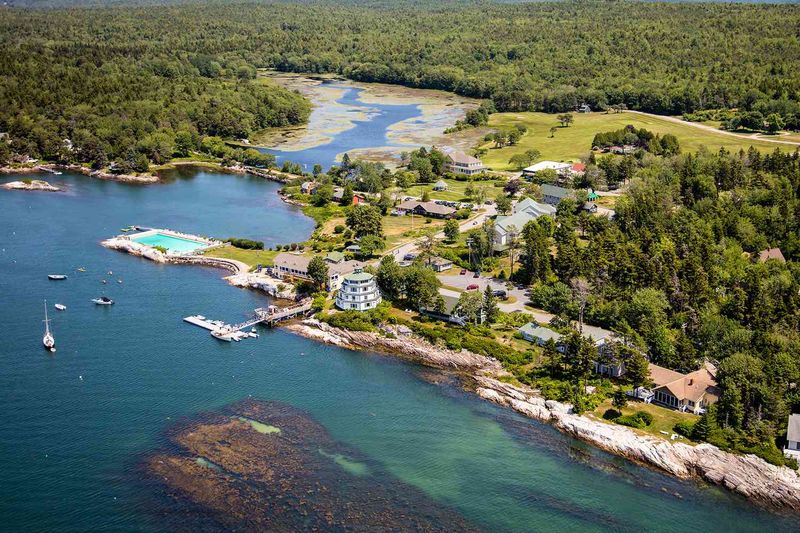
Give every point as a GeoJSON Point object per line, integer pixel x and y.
{"type": "Point", "coordinates": [75, 425]}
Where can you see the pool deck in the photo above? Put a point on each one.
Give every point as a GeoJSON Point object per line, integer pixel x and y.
{"type": "Point", "coordinates": [130, 243]}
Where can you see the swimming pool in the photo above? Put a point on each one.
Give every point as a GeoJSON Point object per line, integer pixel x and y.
{"type": "Point", "coordinates": [170, 242]}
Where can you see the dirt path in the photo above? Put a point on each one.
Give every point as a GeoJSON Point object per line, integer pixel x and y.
{"type": "Point", "coordinates": [752, 137]}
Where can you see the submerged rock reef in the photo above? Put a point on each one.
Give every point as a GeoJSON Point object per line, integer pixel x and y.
{"type": "Point", "coordinates": [256, 466]}
{"type": "Point", "coordinates": [767, 485]}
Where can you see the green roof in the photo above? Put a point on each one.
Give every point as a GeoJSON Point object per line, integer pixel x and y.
{"type": "Point", "coordinates": [358, 275]}
{"type": "Point", "coordinates": [335, 257]}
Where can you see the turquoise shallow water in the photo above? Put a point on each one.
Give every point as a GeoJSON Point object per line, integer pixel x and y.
{"type": "Point", "coordinates": [75, 425]}
{"type": "Point", "coordinates": [171, 243]}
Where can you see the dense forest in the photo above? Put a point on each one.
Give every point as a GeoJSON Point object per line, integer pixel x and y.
{"type": "Point", "coordinates": [124, 78]}
{"type": "Point", "coordinates": [679, 272]}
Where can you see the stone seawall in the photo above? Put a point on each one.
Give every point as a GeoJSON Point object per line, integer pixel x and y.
{"type": "Point", "coordinates": [764, 484]}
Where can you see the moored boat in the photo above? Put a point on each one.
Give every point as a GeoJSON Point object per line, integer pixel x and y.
{"type": "Point", "coordinates": [103, 300]}
{"type": "Point", "coordinates": [60, 307]}
{"type": "Point", "coordinates": [56, 277]}
{"type": "Point", "coordinates": [222, 335]}
{"type": "Point", "coordinates": [82, 269]}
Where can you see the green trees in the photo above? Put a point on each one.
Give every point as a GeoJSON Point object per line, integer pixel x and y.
{"type": "Point", "coordinates": [470, 306]}
{"type": "Point", "coordinates": [566, 119]}
{"type": "Point", "coordinates": [390, 278]}
{"type": "Point", "coordinates": [416, 284]}
{"type": "Point", "coordinates": [535, 253]}
{"type": "Point", "coordinates": [503, 204]}
{"type": "Point", "coordinates": [489, 305]}
{"type": "Point", "coordinates": [187, 73]}
{"type": "Point", "coordinates": [371, 244]}
{"type": "Point", "coordinates": [318, 271]}
{"type": "Point", "coordinates": [451, 230]}
{"type": "Point", "coordinates": [421, 286]}
{"type": "Point", "coordinates": [520, 161]}
{"type": "Point", "coordinates": [322, 195]}
{"type": "Point", "coordinates": [364, 220]}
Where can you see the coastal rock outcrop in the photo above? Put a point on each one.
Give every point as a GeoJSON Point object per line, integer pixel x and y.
{"type": "Point", "coordinates": [134, 248]}
{"type": "Point", "coordinates": [747, 475]}
{"type": "Point", "coordinates": [30, 185]}
{"type": "Point", "coordinates": [263, 282]}
{"type": "Point", "coordinates": [768, 485]}
{"type": "Point", "coordinates": [396, 341]}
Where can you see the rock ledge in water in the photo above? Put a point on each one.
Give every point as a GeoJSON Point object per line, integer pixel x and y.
{"type": "Point", "coordinates": [30, 185]}
{"type": "Point", "coordinates": [267, 466]}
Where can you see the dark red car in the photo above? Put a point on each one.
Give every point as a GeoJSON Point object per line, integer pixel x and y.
{"type": "Point", "coordinates": [472, 287]}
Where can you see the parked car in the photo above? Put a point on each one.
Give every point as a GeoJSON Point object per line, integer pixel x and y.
{"type": "Point", "coordinates": [463, 271]}
{"type": "Point", "coordinates": [409, 257]}
{"type": "Point", "coordinates": [476, 275]}
{"type": "Point", "coordinates": [500, 293]}
{"type": "Point", "coordinates": [472, 287]}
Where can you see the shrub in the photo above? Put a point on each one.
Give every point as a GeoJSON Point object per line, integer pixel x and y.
{"type": "Point", "coordinates": [639, 420]}
{"type": "Point", "coordinates": [246, 244]}
{"type": "Point", "coordinates": [611, 414]}
{"type": "Point", "coordinates": [684, 428]}
{"type": "Point", "coordinates": [339, 228]}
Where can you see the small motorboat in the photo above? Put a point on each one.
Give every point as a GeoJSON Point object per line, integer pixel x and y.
{"type": "Point", "coordinates": [60, 307]}
{"type": "Point", "coordinates": [103, 281]}
{"type": "Point", "coordinates": [48, 340]}
{"type": "Point", "coordinates": [103, 300]}
{"type": "Point", "coordinates": [222, 335]}
{"type": "Point", "coordinates": [110, 273]}
{"type": "Point", "coordinates": [56, 277]}
{"type": "Point", "coordinates": [119, 281]}
{"type": "Point", "coordinates": [82, 269]}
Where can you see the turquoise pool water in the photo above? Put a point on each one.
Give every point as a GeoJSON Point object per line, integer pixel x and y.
{"type": "Point", "coordinates": [171, 243]}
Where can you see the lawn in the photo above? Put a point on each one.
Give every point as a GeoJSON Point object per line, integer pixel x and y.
{"type": "Point", "coordinates": [574, 142]}
{"type": "Point", "coordinates": [456, 190]}
{"type": "Point", "coordinates": [249, 257]}
{"type": "Point", "coordinates": [397, 229]}
{"type": "Point", "coordinates": [663, 419]}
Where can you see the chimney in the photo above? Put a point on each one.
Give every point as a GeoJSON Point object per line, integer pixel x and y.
{"type": "Point", "coordinates": [690, 382]}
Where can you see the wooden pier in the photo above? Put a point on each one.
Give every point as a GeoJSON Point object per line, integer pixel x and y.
{"type": "Point", "coordinates": [272, 315]}
{"type": "Point", "coordinates": [269, 316]}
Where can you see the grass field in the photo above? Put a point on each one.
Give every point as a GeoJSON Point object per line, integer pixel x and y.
{"type": "Point", "coordinates": [663, 419]}
{"type": "Point", "coordinates": [574, 142]}
{"type": "Point", "coordinates": [397, 229]}
{"type": "Point", "coordinates": [456, 190]}
{"type": "Point", "coordinates": [248, 257]}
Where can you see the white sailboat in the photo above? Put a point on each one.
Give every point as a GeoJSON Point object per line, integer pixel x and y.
{"type": "Point", "coordinates": [48, 340]}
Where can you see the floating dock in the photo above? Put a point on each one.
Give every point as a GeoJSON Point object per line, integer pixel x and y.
{"type": "Point", "coordinates": [221, 330]}
{"type": "Point", "coordinates": [266, 315]}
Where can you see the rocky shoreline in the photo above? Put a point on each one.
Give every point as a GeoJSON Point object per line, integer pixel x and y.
{"type": "Point", "coordinates": [30, 185]}
{"type": "Point", "coordinates": [769, 486]}
{"type": "Point", "coordinates": [147, 178]}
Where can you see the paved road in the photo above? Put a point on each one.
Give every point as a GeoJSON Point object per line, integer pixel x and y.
{"type": "Point", "coordinates": [470, 223]}
{"type": "Point", "coordinates": [462, 282]}
{"type": "Point", "coordinates": [751, 137]}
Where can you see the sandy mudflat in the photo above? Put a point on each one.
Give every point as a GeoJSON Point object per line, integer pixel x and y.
{"type": "Point", "coordinates": [438, 110]}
